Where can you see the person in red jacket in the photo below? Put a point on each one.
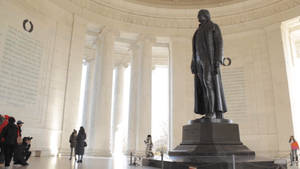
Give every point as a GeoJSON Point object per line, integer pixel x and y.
{"type": "Point", "coordinates": [4, 120]}
{"type": "Point", "coordinates": [294, 149]}
{"type": "Point", "coordinates": [10, 134]}
{"type": "Point", "coordinates": [3, 123]}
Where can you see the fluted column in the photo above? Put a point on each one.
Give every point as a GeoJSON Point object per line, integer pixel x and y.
{"type": "Point", "coordinates": [101, 109]}
{"type": "Point", "coordinates": [118, 112]}
{"type": "Point", "coordinates": [140, 95]}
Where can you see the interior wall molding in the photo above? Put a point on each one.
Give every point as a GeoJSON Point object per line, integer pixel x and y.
{"type": "Point", "coordinates": [188, 22]}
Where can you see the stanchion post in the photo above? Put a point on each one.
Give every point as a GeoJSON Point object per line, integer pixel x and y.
{"type": "Point", "coordinates": [162, 159]}
{"type": "Point", "coordinates": [130, 163]}
{"type": "Point", "coordinates": [233, 161]}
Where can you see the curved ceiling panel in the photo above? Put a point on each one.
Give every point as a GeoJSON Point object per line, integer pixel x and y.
{"type": "Point", "coordinates": [185, 3]}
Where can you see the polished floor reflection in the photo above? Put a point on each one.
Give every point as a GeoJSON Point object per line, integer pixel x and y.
{"type": "Point", "coordinates": [88, 163]}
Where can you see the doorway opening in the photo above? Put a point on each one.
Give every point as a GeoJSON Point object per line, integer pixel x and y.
{"type": "Point", "coordinates": [160, 98]}
{"type": "Point", "coordinates": [291, 42]}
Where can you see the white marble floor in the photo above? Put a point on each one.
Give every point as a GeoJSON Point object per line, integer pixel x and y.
{"type": "Point", "coordinates": [88, 163]}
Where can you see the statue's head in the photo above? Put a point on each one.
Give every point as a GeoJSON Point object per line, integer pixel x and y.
{"type": "Point", "coordinates": [203, 15]}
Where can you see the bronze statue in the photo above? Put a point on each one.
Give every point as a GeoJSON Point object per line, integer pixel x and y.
{"type": "Point", "coordinates": [207, 57]}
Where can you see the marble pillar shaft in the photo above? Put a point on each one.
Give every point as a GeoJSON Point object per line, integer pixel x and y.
{"type": "Point", "coordinates": [140, 96]}
{"type": "Point", "coordinates": [101, 111]}
{"type": "Point", "coordinates": [118, 112]}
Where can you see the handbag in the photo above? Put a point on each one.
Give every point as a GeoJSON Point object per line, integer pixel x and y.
{"type": "Point", "coordinates": [85, 144]}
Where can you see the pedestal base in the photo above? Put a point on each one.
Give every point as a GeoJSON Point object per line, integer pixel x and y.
{"type": "Point", "coordinates": [202, 162]}
{"type": "Point", "coordinates": [205, 137]}
{"type": "Point", "coordinates": [211, 144]}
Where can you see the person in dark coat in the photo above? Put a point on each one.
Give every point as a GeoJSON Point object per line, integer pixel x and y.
{"type": "Point", "coordinates": [22, 153]}
{"type": "Point", "coordinates": [10, 134]}
{"type": "Point", "coordinates": [80, 144]}
{"type": "Point", "coordinates": [207, 57]}
{"type": "Point", "coordinates": [72, 141]}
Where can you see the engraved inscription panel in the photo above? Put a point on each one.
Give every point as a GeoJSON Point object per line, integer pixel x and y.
{"type": "Point", "coordinates": [234, 88]}
{"type": "Point", "coordinates": [20, 68]}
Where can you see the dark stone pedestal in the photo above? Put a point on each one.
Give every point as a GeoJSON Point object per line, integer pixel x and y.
{"type": "Point", "coordinates": [204, 137]}
{"type": "Point", "coordinates": [206, 162]}
{"type": "Point", "coordinates": [211, 144]}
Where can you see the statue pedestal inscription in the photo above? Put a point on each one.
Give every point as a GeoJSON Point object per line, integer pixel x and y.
{"type": "Point", "coordinates": [211, 137]}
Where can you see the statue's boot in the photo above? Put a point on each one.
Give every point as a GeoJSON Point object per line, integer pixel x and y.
{"type": "Point", "coordinates": [209, 116]}
{"type": "Point", "coordinates": [219, 115]}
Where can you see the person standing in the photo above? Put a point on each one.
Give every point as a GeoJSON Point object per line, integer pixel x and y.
{"type": "Point", "coordinates": [10, 134]}
{"type": "Point", "coordinates": [4, 122]}
{"type": "Point", "coordinates": [149, 146]}
{"type": "Point", "coordinates": [80, 144]}
{"type": "Point", "coordinates": [72, 141]}
{"type": "Point", "coordinates": [294, 149]}
{"type": "Point", "coordinates": [20, 124]}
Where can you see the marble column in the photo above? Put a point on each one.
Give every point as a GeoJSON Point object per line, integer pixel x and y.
{"type": "Point", "coordinates": [89, 98]}
{"type": "Point", "coordinates": [100, 128]}
{"type": "Point", "coordinates": [139, 125]}
{"type": "Point", "coordinates": [118, 112]}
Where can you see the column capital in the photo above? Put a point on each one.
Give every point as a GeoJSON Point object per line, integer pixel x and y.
{"type": "Point", "coordinates": [121, 61]}
{"type": "Point", "coordinates": [146, 38]}
{"type": "Point", "coordinates": [108, 31]}
{"type": "Point", "coordinates": [142, 40]}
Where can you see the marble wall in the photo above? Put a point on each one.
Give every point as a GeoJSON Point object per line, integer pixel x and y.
{"type": "Point", "coordinates": [62, 38]}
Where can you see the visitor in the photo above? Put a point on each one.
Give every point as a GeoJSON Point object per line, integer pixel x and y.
{"type": "Point", "coordinates": [149, 146]}
{"type": "Point", "coordinates": [80, 144]}
{"type": "Point", "coordinates": [27, 149]}
{"type": "Point", "coordinates": [72, 141]}
{"type": "Point", "coordinates": [22, 153]}
{"type": "Point", "coordinates": [294, 148]}
{"type": "Point", "coordinates": [10, 134]}
{"type": "Point", "coordinates": [3, 123]}
{"type": "Point", "coordinates": [20, 124]}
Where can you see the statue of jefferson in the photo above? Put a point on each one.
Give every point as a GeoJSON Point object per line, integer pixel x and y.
{"type": "Point", "coordinates": [207, 57]}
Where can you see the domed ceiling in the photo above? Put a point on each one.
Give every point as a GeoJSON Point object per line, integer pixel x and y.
{"type": "Point", "coordinates": [185, 3]}
{"type": "Point", "coordinates": [182, 14]}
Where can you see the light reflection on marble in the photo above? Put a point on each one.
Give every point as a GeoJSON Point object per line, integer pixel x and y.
{"type": "Point", "coordinates": [119, 162]}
